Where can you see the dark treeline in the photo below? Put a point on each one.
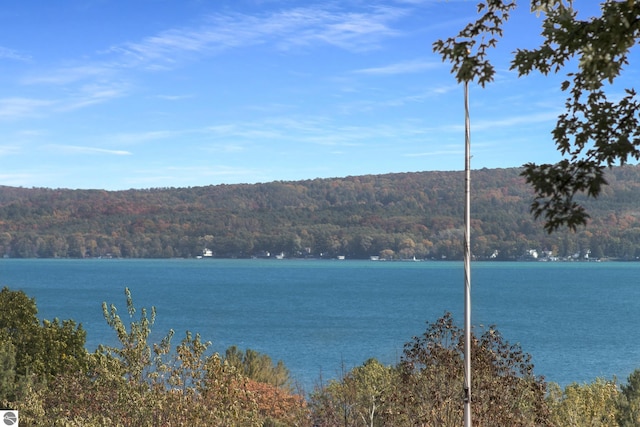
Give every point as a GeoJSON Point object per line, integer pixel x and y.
{"type": "Point", "coordinates": [397, 216]}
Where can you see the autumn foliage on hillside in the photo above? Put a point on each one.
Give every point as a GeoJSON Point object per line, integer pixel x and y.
{"type": "Point", "coordinates": [395, 216]}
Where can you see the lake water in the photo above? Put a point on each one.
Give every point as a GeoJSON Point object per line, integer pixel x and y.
{"type": "Point", "coordinates": [579, 321]}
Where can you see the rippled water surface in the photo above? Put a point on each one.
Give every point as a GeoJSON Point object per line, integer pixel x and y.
{"type": "Point", "coordinates": [578, 320]}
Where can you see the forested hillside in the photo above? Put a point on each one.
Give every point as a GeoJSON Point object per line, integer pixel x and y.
{"type": "Point", "coordinates": [397, 216]}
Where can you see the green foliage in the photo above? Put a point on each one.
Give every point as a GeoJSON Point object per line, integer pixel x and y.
{"type": "Point", "coordinates": [578, 405]}
{"type": "Point", "coordinates": [468, 51]}
{"type": "Point", "coordinates": [188, 369]}
{"type": "Point", "coordinates": [258, 367]}
{"type": "Point", "coordinates": [629, 401]}
{"type": "Point", "coordinates": [598, 129]}
{"type": "Point", "coordinates": [7, 367]}
{"type": "Point", "coordinates": [361, 398]}
{"type": "Point", "coordinates": [19, 322]}
{"type": "Point", "coordinates": [427, 386]}
{"type": "Point", "coordinates": [373, 382]}
{"type": "Point", "coordinates": [28, 349]}
{"type": "Point", "coordinates": [63, 346]}
{"type": "Point", "coordinates": [504, 388]}
{"type": "Point", "coordinates": [144, 384]}
{"type": "Point", "coordinates": [135, 351]}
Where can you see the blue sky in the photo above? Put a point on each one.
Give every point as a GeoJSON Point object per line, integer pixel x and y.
{"type": "Point", "coordinates": [156, 93]}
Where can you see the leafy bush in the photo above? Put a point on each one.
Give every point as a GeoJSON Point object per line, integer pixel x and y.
{"type": "Point", "coordinates": [142, 384]}
{"type": "Point", "coordinates": [629, 401]}
{"type": "Point", "coordinates": [427, 386]}
{"type": "Point", "coordinates": [31, 350]}
{"type": "Point", "coordinates": [55, 382]}
{"type": "Point", "coordinates": [578, 405]}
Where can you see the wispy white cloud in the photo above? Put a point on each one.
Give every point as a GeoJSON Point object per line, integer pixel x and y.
{"type": "Point", "coordinates": [30, 133]}
{"type": "Point", "coordinates": [442, 89]}
{"type": "Point", "coordinates": [215, 170]}
{"type": "Point", "coordinates": [266, 129]}
{"type": "Point", "coordinates": [174, 97]}
{"type": "Point", "coordinates": [516, 120]}
{"type": "Point", "coordinates": [72, 74]}
{"type": "Point", "coordinates": [226, 148]}
{"type": "Point", "coordinates": [310, 130]}
{"type": "Point", "coordinates": [183, 176]}
{"type": "Point", "coordinates": [504, 123]}
{"type": "Point", "coordinates": [368, 105]}
{"type": "Point", "coordinates": [273, 129]}
{"type": "Point", "coordinates": [350, 31]}
{"type": "Point", "coordinates": [22, 107]}
{"type": "Point", "coordinates": [299, 27]}
{"type": "Point", "coordinates": [92, 94]}
{"type": "Point", "coordinates": [142, 137]}
{"type": "Point", "coordinates": [19, 179]}
{"type": "Point", "coordinates": [6, 150]}
{"type": "Point", "coordinates": [76, 149]}
{"type": "Point", "coordinates": [406, 67]}
{"type": "Point", "coordinates": [17, 108]}
{"type": "Point", "coordinates": [6, 53]}
{"type": "Point", "coordinates": [436, 153]}
{"type": "Point", "coordinates": [107, 76]}
{"type": "Point", "coordinates": [250, 132]}
{"type": "Point", "coordinates": [103, 78]}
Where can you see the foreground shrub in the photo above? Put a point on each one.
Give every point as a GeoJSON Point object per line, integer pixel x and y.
{"type": "Point", "coordinates": [628, 407]}
{"type": "Point", "coordinates": [139, 384]}
{"type": "Point", "coordinates": [578, 405]}
{"type": "Point", "coordinates": [361, 398]}
{"type": "Point", "coordinates": [32, 351]}
{"type": "Point", "coordinates": [427, 386]}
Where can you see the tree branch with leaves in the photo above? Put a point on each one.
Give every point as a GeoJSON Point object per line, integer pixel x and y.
{"type": "Point", "coordinates": [600, 128]}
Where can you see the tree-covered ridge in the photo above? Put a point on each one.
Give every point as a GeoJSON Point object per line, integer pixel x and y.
{"type": "Point", "coordinates": [394, 216]}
